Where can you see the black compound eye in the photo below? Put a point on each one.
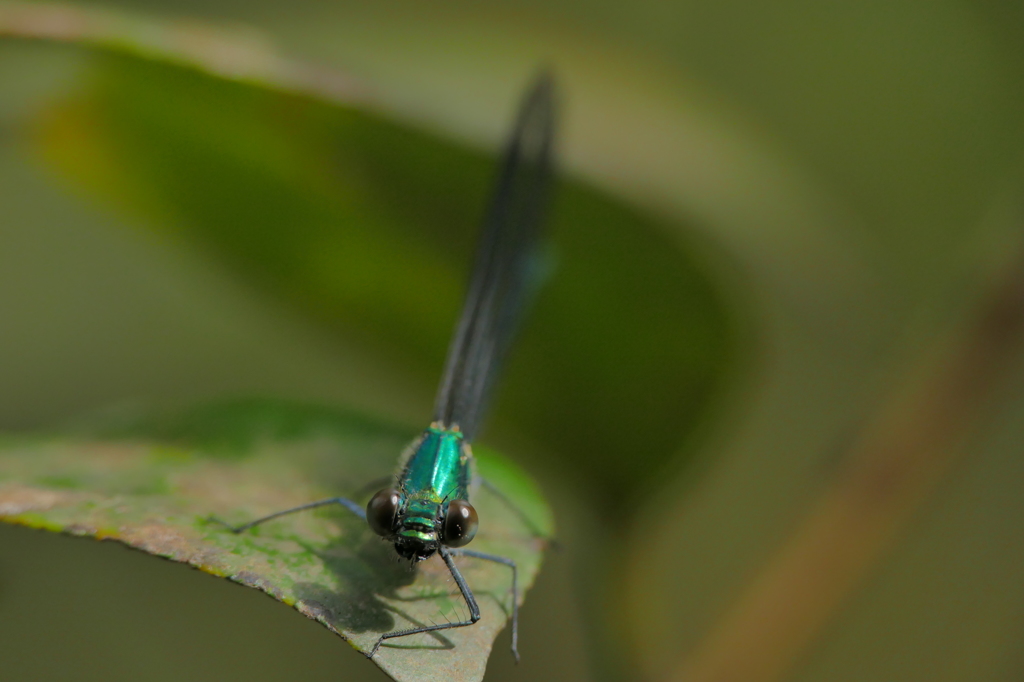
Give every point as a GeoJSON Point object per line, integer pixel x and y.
{"type": "Point", "coordinates": [382, 510]}
{"type": "Point", "coordinates": [460, 524]}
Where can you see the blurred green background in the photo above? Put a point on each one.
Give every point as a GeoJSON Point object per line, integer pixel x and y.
{"type": "Point", "coordinates": [768, 214]}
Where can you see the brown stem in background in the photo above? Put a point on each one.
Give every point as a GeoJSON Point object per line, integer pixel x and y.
{"type": "Point", "coordinates": [890, 469]}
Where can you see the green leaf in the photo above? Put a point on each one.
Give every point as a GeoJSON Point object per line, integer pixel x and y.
{"type": "Point", "coordinates": [152, 484]}
{"type": "Point", "coordinates": [341, 209]}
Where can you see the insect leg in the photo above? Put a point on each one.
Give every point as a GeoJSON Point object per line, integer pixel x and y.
{"type": "Point", "coordinates": [514, 508]}
{"type": "Point", "coordinates": [467, 594]}
{"type": "Point", "coordinates": [346, 503]}
{"type": "Point", "coordinates": [515, 589]}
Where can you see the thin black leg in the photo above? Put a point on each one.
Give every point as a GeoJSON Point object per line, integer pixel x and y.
{"type": "Point", "coordinates": [515, 589]}
{"type": "Point", "coordinates": [346, 503]}
{"type": "Point", "coordinates": [514, 508]}
{"type": "Point", "coordinates": [467, 594]}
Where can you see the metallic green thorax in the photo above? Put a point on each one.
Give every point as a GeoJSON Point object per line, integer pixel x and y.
{"type": "Point", "coordinates": [438, 468]}
{"type": "Point", "coordinates": [437, 471]}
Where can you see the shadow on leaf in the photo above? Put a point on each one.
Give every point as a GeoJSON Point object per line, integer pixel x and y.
{"type": "Point", "coordinates": [366, 569]}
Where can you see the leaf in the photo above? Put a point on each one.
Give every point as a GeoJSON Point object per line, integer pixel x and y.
{"type": "Point", "coordinates": [309, 189]}
{"type": "Point", "coordinates": [152, 484]}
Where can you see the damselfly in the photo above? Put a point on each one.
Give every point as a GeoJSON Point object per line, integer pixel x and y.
{"type": "Point", "coordinates": [427, 509]}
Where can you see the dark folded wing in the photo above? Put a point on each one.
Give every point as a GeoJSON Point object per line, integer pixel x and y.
{"type": "Point", "coordinates": [505, 260]}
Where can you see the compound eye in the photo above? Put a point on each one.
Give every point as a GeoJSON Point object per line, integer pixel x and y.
{"type": "Point", "coordinates": [460, 524]}
{"type": "Point", "coordinates": [382, 511]}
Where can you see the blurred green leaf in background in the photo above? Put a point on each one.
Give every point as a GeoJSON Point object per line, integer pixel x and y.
{"type": "Point", "coordinates": [771, 220]}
